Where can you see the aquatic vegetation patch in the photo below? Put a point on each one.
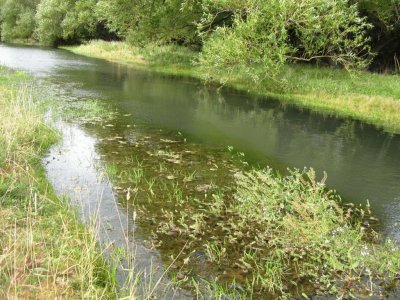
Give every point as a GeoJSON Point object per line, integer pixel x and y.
{"type": "Point", "coordinates": [253, 231]}
{"type": "Point", "coordinates": [286, 234]}
{"type": "Point", "coordinates": [86, 111]}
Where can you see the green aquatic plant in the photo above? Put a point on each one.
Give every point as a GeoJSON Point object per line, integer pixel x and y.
{"type": "Point", "coordinates": [214, 252]}
{"type": "Point", "coordinates": [283, 230]}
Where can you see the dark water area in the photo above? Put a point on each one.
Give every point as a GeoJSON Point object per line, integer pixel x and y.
{"type": "Point", "coordinates": [362, 162]}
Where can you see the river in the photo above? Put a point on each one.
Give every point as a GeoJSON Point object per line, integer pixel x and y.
{"type": "Point", "coordinates": [362, 162]}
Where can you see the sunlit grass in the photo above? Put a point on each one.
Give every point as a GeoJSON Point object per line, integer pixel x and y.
{"type": "Point", "coordinates": [45, 252]}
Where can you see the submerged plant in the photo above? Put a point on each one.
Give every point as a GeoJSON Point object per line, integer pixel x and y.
{"type": "Point", "coordinates": [287, 233]}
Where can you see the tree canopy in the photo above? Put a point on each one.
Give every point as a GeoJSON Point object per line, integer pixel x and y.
{"type": "Point", "coordinates": [384, 15]}
{"type": "Point", "coordinates": [63, 20]}
{"type": "Point", "coordinates": [230, 33]}
{"type": "Point", "coordinates": [269, 33]}
{"type": "Point", "coordinates": [17, 19]}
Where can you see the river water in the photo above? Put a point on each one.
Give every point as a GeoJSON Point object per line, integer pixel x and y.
{"type": "Point", "coordinates": [362, 162]}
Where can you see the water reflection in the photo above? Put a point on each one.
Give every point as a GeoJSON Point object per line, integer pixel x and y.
{"type": "Point", "coordinates": [75, 170]}
{"type": "Point", "coordinates": [362, 162]}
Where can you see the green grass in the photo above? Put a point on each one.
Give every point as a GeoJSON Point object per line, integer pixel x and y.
{"type": "Point", "coordinates": [44, 251]}
{"type": "Point", "coordinates": [372, 98]}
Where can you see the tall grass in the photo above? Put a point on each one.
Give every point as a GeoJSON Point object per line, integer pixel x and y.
{"type": "Point", "coordinates": [44, 251]}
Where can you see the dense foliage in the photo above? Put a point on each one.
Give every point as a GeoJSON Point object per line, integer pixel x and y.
{"type": "Point", "coordinates": [63, 20]}
{"type": "Point", "coordinates": [156, 21]}
{"type": "Point", "coordinates": [17, 19]}
{"type": "Point", "coordinates": [269, 33]}
{"type": "Point", "coordinates": [232, 33]}
{"type": "Point", "coordinates": [384, 15]}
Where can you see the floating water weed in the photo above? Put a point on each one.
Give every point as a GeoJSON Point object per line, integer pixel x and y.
{"type": "Point", "coordinates": [214, 252]}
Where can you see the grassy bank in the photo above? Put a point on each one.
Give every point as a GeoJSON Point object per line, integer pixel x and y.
{"type": "Point", "coordinates": [372, 98]}
{"type": "Point", "coordinates": [44, 251]}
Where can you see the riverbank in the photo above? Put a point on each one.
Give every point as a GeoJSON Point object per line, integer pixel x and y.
{"type": "Point", "coordinates": [45, 252]}
{"type": "Point", "coordinates": [368, 97]}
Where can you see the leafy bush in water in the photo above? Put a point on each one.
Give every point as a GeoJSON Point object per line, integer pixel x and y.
{"type": "Point", "coordinates": [309, 235]}
{"type": "Point", "coordinates": [285, 234]}
{"type": "Point", "coordinates": [263, 35]}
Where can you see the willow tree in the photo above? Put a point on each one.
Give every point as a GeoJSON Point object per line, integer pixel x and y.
{"type": "Point", "coordinates": [119, 15]}
{"type": "Point", "coordinates": [384, 15]}
{"type": "Point", "coordinates": [261, 36]}
{"type": "Point", "coordinates": [385, 12]}
{"type": "Point", "coordinates": [17, 19]}
{"type": "Point", "coordinates": [65, 20]}
{"type": "Point", "coordinates": [153, 21]}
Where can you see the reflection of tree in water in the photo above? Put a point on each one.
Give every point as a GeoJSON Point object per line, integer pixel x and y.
{"type": "Point", "coordinates": [361, 161]}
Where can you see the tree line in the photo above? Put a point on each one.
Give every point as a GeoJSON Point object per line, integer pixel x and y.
{"type": "Point", "coordinates": [228, 33]}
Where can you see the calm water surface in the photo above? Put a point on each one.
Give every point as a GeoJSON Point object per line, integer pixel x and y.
{"type": "Point", "coordinates": [361, 161]}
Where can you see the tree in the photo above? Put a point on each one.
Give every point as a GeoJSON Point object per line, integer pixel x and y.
{"type": "Point", "coordinates": [159, 21]}
{"type": "Point", "coordinates": [384, 15]}
{"type": "Point", "coordinates": [118, 15]}
{"type": "Point", "coordinates": [261, 36]}
{"type": "Point", "coordinates": [49, 17]}
{"type": "Point", "coordinates": [65, 20]}
{"type": "Point", "coordinates": [80, 21]}
{"type": "Point", "coordinates": [166, 21]}
{"type": "Point", "coordinates": [17, 19]}
{"type": "Point", "coordinates": [384, 12]}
